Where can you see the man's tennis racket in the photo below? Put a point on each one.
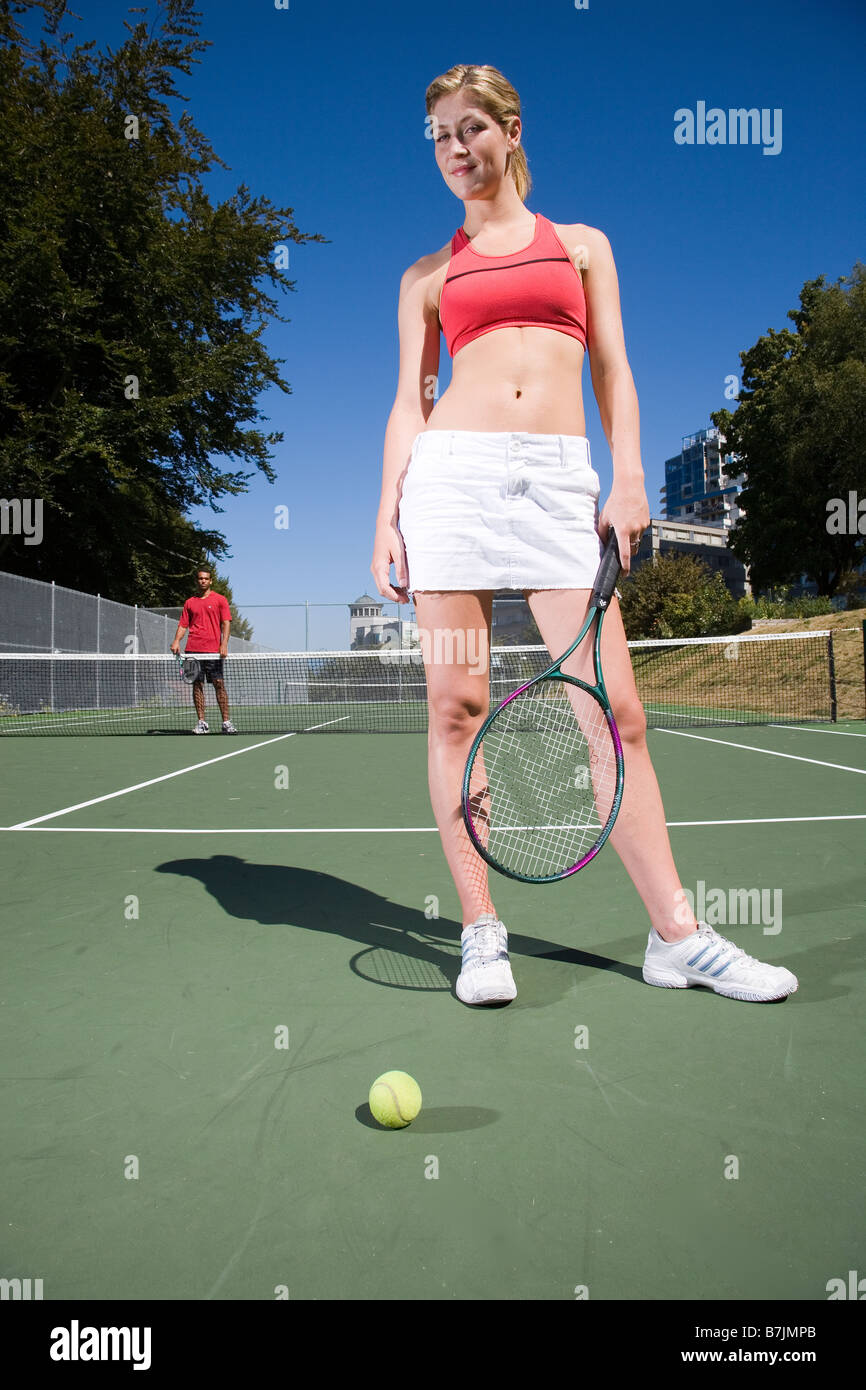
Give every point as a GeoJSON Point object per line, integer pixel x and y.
{"type": "Point", "coordinates": [190, 666]}
{"type": "Point", "coordinates": [544, 777]}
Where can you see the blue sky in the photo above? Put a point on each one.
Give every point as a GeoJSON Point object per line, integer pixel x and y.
{"type": "Point", "coordinates": [321, 108]}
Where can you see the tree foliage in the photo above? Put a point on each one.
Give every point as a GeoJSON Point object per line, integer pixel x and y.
{"type": "Point", "coordinates": [678, 596]}
{"type": "Point", "coordinates": [800, 431]}
{"type": "Point", "coordinates": [131, 309]}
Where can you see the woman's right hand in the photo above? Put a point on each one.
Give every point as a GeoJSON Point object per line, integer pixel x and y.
{"type": "Point", "coordinates": [387, 547]}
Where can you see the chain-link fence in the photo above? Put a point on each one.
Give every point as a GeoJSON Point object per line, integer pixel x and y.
{"type": "Point", "coordinates": [40, 617]}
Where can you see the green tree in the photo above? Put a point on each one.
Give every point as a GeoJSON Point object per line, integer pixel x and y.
{"type": "Point", "coordinates": [799, 430]}
{"type": "Point", "coordinates": [678, 596]}
{"type": "Point", "coordinates": [131, 309]}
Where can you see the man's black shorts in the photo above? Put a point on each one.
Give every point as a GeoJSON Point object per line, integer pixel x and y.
{"type": "Point", "coordinates": [211, 670]}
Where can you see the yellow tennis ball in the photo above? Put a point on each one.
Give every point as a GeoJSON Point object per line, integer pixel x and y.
{"type": "Point", "coordinates": [395, 1099]}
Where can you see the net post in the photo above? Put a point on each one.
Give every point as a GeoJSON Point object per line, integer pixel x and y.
{"type": "Point", "coordinates": [98, 607]}
{"type": "Point", "coordinates": [51, 686]}
{"type": "Point", "coordinates": [306, 624]}
{"type": "Point", "coordinates": [864, 658]}
{"type": "Point", "coordinates": [832, 662]}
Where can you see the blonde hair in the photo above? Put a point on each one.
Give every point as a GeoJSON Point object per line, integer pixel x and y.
{"type": "Point", "coordinates": [495, 95]}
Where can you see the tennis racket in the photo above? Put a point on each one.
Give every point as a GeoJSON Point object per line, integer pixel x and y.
{"type": "Point", "coordinates": [190, 666]}
{"type": "Point", "coordinates": [544, 777]}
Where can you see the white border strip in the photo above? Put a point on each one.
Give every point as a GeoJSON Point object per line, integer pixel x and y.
{"type": "Point", "coordinates": [392, 651]}
{"type": "Point", "coordinates": [725, 641]}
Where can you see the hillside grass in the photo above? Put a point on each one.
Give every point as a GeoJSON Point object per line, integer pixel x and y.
{"type": "Point", "coordinates": [847, 630]}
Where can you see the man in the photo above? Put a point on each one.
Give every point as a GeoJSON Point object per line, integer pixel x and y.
{"type": "Point", "coordinates": [207, 617]}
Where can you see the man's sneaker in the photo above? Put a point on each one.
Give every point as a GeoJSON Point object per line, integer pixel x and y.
{"type": "Point", "coordinates": [485, 976]}
{"type": "Point", "coordinates": [706, 958]}
{"type": "Point", "coordinates": [202, 727]}
{"type": "Point", "coordinates": [228, 727]}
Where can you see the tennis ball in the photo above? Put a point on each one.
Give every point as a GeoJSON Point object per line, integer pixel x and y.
{"type": "Point", "coordinates": [395, 1099]}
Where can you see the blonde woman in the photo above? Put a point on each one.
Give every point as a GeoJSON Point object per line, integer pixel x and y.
{"type": "Point", "coordinates": [492, 487]}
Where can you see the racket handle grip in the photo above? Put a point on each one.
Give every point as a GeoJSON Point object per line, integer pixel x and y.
{"type": "Point", "coordinates": [608, 573]}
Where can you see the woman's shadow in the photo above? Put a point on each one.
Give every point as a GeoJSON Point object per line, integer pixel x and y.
{"type": "Point", "coordinates": [402, 948]}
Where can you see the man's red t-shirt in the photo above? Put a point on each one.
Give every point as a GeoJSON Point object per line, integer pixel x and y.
{"type": "Point", "coordinates": [203, 617]}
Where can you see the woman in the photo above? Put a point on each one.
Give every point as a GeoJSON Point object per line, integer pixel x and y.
{"type": "Point", "coordinates": [492, 487]}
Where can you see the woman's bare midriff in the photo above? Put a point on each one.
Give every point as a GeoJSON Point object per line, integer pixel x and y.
{"type": "Point", "coordinates": [514, 379]}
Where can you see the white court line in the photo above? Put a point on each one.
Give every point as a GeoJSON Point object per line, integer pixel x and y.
{"type": "Point", "coordinates": [359, 829]}
{"type": "Point", "coordinates": [763, 820]}
{"type": "Point", "coordinates": [166, 776]}
{"type": "Point", "coordinates": [771, 752]}
{"type": "Point", "coordinates": [804, 729]}
{"type": "Point", "coordinates": [243, 830]}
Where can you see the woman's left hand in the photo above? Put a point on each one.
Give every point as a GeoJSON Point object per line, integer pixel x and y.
{"type": "Point", "coordinates": [627, 511]}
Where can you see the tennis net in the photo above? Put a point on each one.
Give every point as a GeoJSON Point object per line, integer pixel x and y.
{"type": "Point", "coordinates": [697, 681]}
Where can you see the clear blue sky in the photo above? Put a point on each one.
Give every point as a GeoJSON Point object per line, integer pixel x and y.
{"type": "Point", "coordinates": [321, 108]}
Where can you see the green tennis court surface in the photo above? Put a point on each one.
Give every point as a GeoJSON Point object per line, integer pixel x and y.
{"type": "Point", "coordinates": [205, 972]}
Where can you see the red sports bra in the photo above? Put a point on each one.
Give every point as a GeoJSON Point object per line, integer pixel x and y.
{"type": "Point", "coordinates": [548, 292]}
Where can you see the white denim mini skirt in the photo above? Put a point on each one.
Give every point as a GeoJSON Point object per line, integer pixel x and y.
{"type": "Point", "coordinates": [500, 510]}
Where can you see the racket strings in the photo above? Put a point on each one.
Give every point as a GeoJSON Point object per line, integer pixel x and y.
{"type": "Point", "coordinates": [543, 781]}
{"type": "Point", "coordinates": [479, 799]}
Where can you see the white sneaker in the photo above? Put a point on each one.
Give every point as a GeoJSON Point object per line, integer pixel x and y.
{"type": "Point", "coordinates": [228, 727]}
{"type": "Point", "coordinates": [202, 727]}
{"type": "Point", "coordinates": [485, 976]}
{"type": "Point", "coordinates": [706, 958]}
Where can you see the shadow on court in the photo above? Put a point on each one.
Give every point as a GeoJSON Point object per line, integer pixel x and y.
{"type": "Point", "coordinates": [400, 949]}
{"type": "Point", "coordinates": [441, 1119]}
